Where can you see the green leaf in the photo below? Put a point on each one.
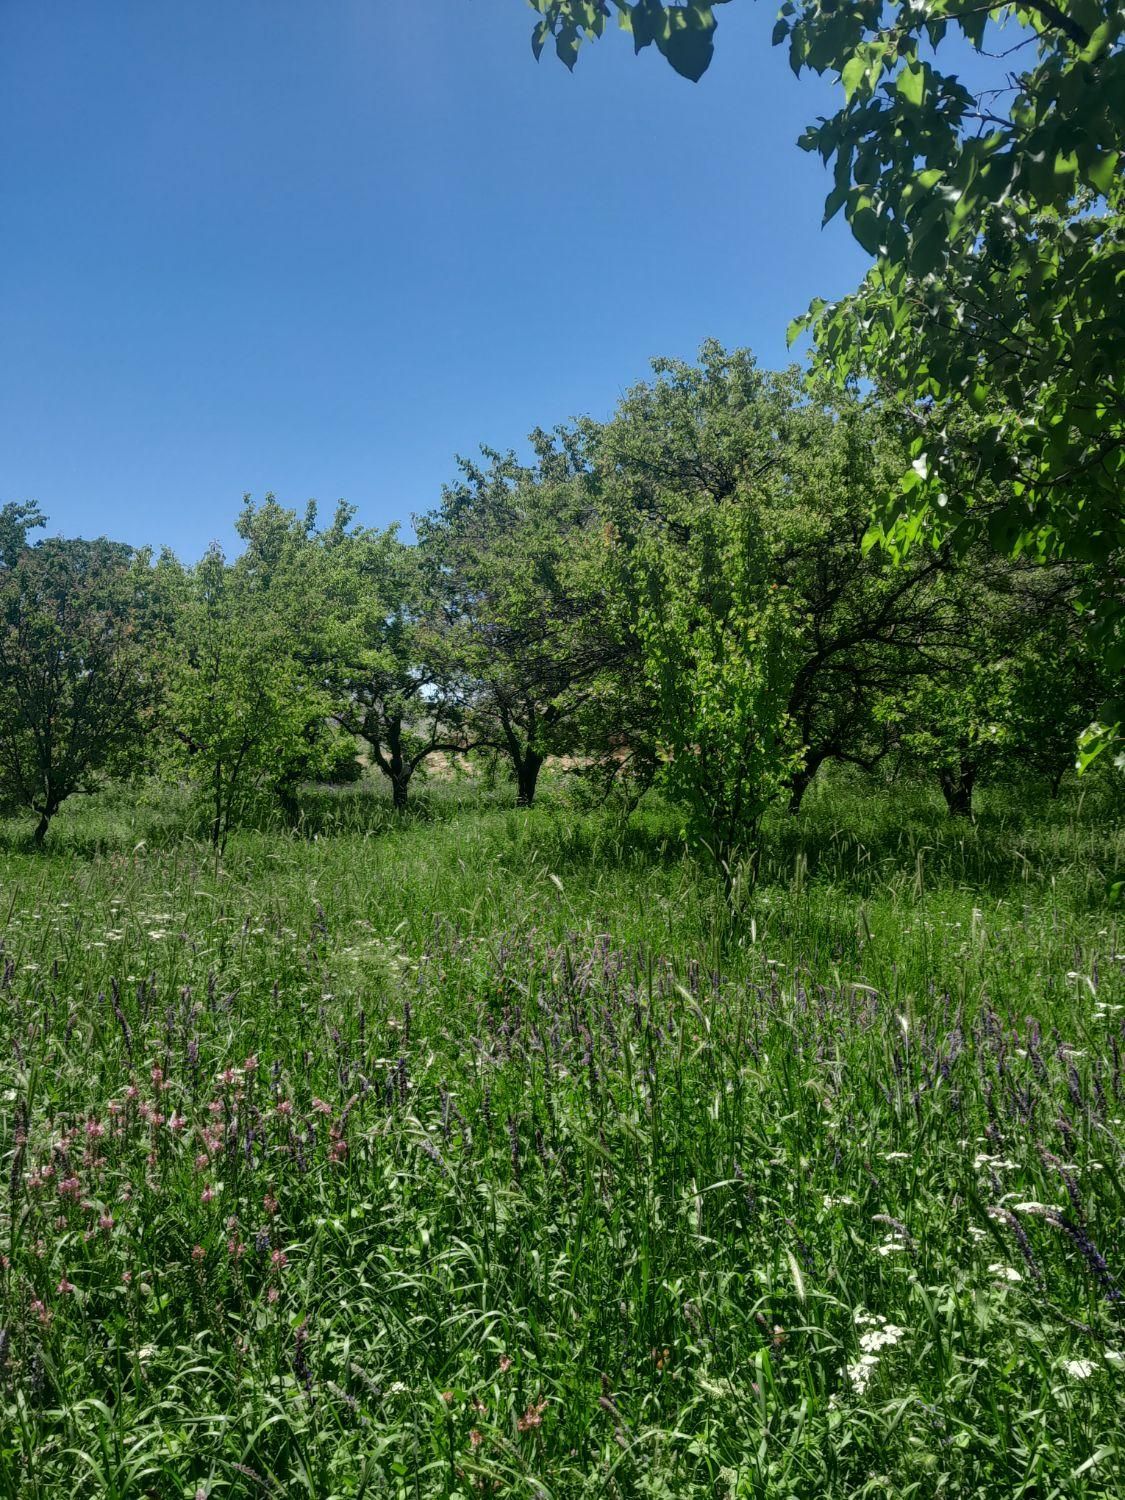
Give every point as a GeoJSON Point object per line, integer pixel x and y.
{"type": "Point", "coordinates": [1103, 171]}
{"type": "Point", "coordinates": [689, 50]}
{"type": "Point", "coordinates": [911, 83]}
{"type": "Point", "coordinates": [852, 75]}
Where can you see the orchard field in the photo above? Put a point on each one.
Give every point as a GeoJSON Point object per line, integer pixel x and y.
{"type": "Point", "coordinates": [496, 1151]}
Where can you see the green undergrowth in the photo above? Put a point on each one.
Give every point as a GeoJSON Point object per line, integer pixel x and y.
{"type": "Point", "coordinates": [487, 1152]}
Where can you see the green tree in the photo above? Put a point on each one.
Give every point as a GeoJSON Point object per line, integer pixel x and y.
{"type": "Point", "coordinates": [514, 556]}
{"type": "Point", "coordinates": [995, 220]}
{"type": "Point", "coordinates": [75, 670]}
{"type": "Point", "coordinates": [403, 696]}
{"type": "Point", "coordinates": [803, 465]}
{"type": "Point", "coordinates": [245, 714]}
{"type": "Point", "coordinates": [1014, 689]}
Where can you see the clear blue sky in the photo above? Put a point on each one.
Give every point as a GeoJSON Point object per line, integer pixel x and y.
{"type": "Point", "coordinates": [322, 246]}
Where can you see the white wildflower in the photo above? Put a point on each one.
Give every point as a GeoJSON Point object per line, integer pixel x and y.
{"type": "Point", "coordinates": [1079, 1369]}
{"type": "Point", "coordinates": [861, 1371]}
{"type": "Point", "coordinates": [881, 1338]}
{"type": "Point", "coordinates": [1005, 1273]}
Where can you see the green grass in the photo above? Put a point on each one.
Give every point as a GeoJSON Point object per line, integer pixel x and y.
{"type": "Point", "coordinates": [549, 1175]}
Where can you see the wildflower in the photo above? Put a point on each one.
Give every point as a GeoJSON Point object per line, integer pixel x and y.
{"type": "Point", "coordinates": [70, 1187]}
{"type": "Point", "coordinates": [176, 1123]}
{"type": "Point", "coordinates": [197, 1254]}
{"type": "Point", "coordinates": [157, 1076]}
{"type": "Point", "coordinates": [321, 1106]}
{"type": "Point", "coordinates": [271, 1295]}
{"type": "Point", "coordinates": [105, 1222]}
{"type": "Point", "coordinates": [251, 1063]}
{"type": "Point", "coordinates": [532, 1417]}
{"type": "Point", "coordinates": [861, 1371]}
{"type": "Point", "coordinates": [207, 1194]}
{"type": "Point", "coordinates": [1079, 1369]}
{"type": "Point", "coordinates": [42, 1312]}
{"type": "Point", "coordinates": [202, 1162]}
{"type": "Point", "coordinates": [476, 1438]}
{"type": "Point", "coordinates": [285, 1107]}
{"type": "Point", "coordinates": [447, 1397]}
{"type": "Point", "coordinates": [279, 1260]}
{"type": "Point", "coordinates": [1005, 1273]}
{"type": "Point", "coordinates": [65, 1287]}
{"type": "Point", "coordinates": [236, 1249]}
{"type": "Point", "coordinates": [505, 1363]}
{"type": "Point", "coordinates": [885, 1336]}
{"type": "Point", "coordinates": [94, 1129]}
{"type": "Point", "coordinates": [270, 1204]}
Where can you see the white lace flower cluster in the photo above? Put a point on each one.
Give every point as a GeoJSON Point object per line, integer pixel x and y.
{"type": "Point", "coordinates": [878, 1334]}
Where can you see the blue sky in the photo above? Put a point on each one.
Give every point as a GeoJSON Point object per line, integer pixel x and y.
{"type": "Point", "coordinates": [321, 246]}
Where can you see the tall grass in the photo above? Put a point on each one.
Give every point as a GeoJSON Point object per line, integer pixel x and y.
{"type": "Point", "coordinates": [486, 1152]}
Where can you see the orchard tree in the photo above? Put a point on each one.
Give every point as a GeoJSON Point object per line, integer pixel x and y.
{"type": "Point", "coordinates": [718, 645]}
{"type": "Point", "coordinates": [803, 464]}
{"type": "Point", "coordinates": [996, 222]}
{"type": "Point", "coordinates": [402, 695]}
{"type": "Point", "coordinates": [245, 715]}
{"type": "Point", "coordinates": [75, 671]}
{"type": "Point", "coordinates": [1016, 686]}
{"type": "Point", "coordinates": [516, 560]}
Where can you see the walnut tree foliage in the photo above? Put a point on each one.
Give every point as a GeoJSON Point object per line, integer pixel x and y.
{"type": "Point", "coordinates": [994, 308]}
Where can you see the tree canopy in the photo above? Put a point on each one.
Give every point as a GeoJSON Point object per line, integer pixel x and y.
{"type": "Point", "coordinates": [993, 311]}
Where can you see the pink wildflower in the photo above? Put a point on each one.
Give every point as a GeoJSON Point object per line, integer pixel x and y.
{"type": "Point", "coordinates": [64, 1287]}
{"type": "Point", "coordinates": [207, 1194]}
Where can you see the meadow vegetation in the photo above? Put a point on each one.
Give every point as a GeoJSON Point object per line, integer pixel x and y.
{"type": "Point", "coordinates": [493, 1150]}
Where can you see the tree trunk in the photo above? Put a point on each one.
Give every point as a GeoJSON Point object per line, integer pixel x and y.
{"type": "Point", "coordinates": [396, 766]}
{"type": "Point", "coordinates": [527, 774]}
{"type": "Point", "coordinates": [800, 784]}
{"type": "Point", "coordinates": [41, 829]}
{"type": "Point", "coordinates": [957, 787]}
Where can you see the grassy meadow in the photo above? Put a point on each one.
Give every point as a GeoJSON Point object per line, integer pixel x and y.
{"type": "Point", "coordinates": [490, 1152]}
